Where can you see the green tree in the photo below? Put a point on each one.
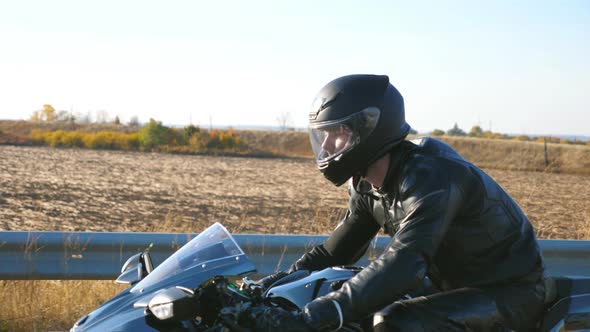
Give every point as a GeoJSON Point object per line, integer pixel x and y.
{"type": "Point", "coordinates": [476, 131]}
{"type": "Point", "coordinates": [189, 131]}
{"type": "Point", "coordinates": [456, 131]}
{"type": "Point", "coordinates": [437, 132]}
{"type": "Point", "coordinates": [152, 134]}
{"type": "Point", "coordinates": [46, 113]}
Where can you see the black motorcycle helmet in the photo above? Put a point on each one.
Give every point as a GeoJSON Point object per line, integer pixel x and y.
{"type": "Point", "coordinates": [355, 120]}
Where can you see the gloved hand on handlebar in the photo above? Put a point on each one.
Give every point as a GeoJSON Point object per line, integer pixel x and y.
{"type": "Point", "coordinates": [319, 315]}
{"type": "Point", "coordinates": [267, 281]}
{"type": "Point", "coordinates": [280, 278]}
{"type": "Point", "coordinates": [316, 259]}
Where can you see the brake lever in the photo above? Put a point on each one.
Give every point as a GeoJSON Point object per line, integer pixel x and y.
{"type": "Point", "coordinates": [248, 283]}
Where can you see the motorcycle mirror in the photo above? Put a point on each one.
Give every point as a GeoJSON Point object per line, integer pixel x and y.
{"type": "Point", "coordinates": [174, 304]}
{"type": "Point", "coordinates": [136, 268]}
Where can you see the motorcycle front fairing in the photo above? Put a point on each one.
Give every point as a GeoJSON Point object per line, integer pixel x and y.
{"type": "Point", "coordinates": [213, 252]}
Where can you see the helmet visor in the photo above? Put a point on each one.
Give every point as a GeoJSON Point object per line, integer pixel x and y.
{"type": "Point", "coordinates": [332, 139]}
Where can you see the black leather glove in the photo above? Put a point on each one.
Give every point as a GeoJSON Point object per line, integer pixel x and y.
{"type": "Point", "coordinates": [267, 281]}
{"type": "Point", "coordinates": [279, 278]}
{"type": "Point", "coordinates": [323, 314]}
{"type": "Point", "coordinates": [269, 319]}
{"type": "Point", "coordinates": [317, 258]}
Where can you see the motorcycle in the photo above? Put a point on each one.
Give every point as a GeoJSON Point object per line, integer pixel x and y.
{"type": "Point", "coordinates": [205, 286]}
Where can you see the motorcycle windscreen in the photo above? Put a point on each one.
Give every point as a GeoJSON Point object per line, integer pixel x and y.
{"type": "Point", "coordinates": [213, 244]}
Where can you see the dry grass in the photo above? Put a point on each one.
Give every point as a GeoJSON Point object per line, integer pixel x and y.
{"type": "Point", "coordinates": [46, 305]}
{"type": "Point", "coordinates": [281, 143]}
{"type": "Point", "coordinates": [486, 153]}
{"type": "Point", "coordinates": [523, 156]}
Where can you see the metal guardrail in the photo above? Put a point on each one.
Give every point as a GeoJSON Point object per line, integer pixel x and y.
{"type": "Point", "coordinates": [96, 256]}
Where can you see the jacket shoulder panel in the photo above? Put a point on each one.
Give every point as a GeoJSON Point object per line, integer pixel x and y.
{"type": "Point", "coordinates": [435, 147]}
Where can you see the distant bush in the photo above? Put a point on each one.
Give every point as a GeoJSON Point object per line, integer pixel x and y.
{"type": "Point", "coordinates": [223, 140]}
{"type": "Point", "coordinates": [133, 141]}
{"type": "Point", "coordinates": [196, 141]}
{"type": "Point", "coordinates": [37, 136]}
{"type": "Point", "coordinates": [476, 131]}
{"type": "Point", "coordinates": [59, 138]}
{"type": "Point", "coordinates": [545, 139]}
{"type": "Point", "coordinates": [55, 138]}
{"type": "Point", "coordinates": [189, 131]}
{"type": "Point", "coordinates": [437, 132]}
{"type": "Point", "coordinates": [105, 140]}
{"type": "Point", "coordinates": [522, 138]}
{"type": "Point", "coordinates": [152, 137]}
{"type": "Point", "coordinates": [11, 139]}
{"type": "Point", "coordinates": [491, 135]}
{"type": "Point", "coordinates": [108, 140]}
{"type": "Point", "coordinates": [456, 131]}
{"type": "Point", "coordinates": [152, 134]}
{"type": "Point", "coordinates": [73, 139]}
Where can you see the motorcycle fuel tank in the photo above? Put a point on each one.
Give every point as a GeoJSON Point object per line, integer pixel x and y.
{"type": "Point", "coordinates": [302, 291]}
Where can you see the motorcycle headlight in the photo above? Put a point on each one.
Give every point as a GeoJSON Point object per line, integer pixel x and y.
{"type": "Point", "coordinates": [162, 311]}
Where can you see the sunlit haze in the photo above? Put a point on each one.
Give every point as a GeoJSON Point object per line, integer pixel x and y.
{"type": "Point", "coordinates": [508, 66]}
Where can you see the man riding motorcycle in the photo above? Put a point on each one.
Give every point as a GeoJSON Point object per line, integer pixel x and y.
{"type": "Point", "coordinates": [448, 221]}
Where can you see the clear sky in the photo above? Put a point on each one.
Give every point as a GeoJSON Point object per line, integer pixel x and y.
{"type": "Point", "coordinates": [512, 66]}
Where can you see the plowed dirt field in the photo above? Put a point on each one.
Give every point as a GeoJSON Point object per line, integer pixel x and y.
{"type": "Point", "coordinates": [86, 190]}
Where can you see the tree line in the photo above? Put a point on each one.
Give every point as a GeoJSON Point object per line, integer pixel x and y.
{"type": "Point", "coordinates": [153, 136]}
{"type": "Point", "coordinates": [478, 132]}
{"type": "Point", "coordinates": [48, 113]}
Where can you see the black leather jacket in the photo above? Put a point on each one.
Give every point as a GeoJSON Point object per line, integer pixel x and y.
{"type": "Point", "coordinates": [447, 219]}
